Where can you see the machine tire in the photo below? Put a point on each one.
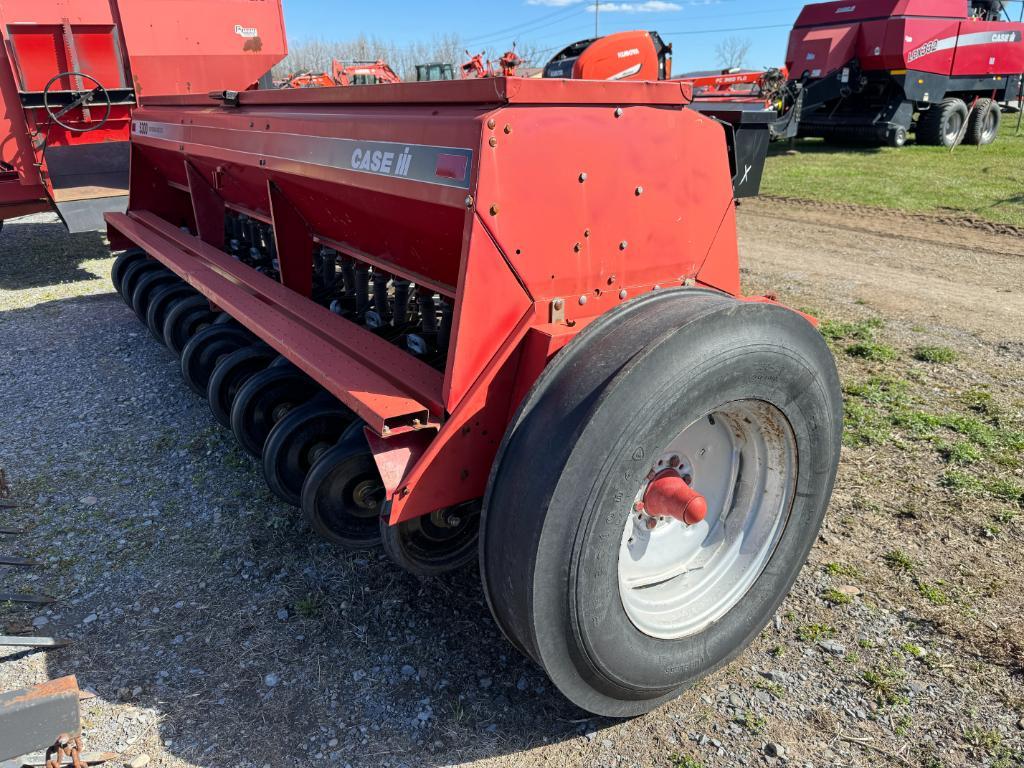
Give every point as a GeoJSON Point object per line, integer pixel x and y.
{"type": "Point", "coordinates": [185, 319]}
{"type": "Point", "coordinates": [207, 348]}
{"type": "Point", "coordinates": [984, 123]}
{"type": "Point", "coordinates": [433, 544]}
{"type": "Point", "coordinates": [298, 441]}
{"type": "Point", "coordinates": [265, 399]}
{"type": "Point", "coordinates": [940, 125]}
{"type": "Point", "coordinates": [552, 526]}
{"type": "Point", "coordinates": [121, 263]}
{"type": "Point", "coordinates": [231, 373]}
{"type": "Point", "coordinates": [897, 137]}
{"type": "Point", "coordinates": [134, 273]}
{"type": "Point", "coordinates": [146, 287]}
{"type": "Point", "coordinates": [161, 303]}
{"type": "Point", "coordinates": [343, 494]}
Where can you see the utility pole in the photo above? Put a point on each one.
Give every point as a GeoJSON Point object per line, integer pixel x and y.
{"type": "Point", "coordinates": [597, 10]}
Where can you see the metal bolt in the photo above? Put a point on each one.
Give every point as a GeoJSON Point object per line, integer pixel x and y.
{"type": "Point", "coordinates": [623, 294]}
{"type": "Point", "coordinates": [490, 123]}
{"type": "Point", "coordinates": [583, 177]}
{"type": "Point", "coordinates": [657, 287]}
{"type": "Point", "coordinates": [650, 523]}
{"type": "Point", "coordinates": [493, 142]}
{"type": "Point", "coordinates": [673, 462]}
{"type": "Point", "coordinates": [469, 201]}
{"type": "Point", "coordinates": [689, 282]}
{"type": "Point", "coordinates": [623, 245]}
{"type": "Point", "coordinates": [618, 111]}
{"type": "Point", "coordinates": [586, 233]}
{"type": "Point", "coordinates": [583, 300]}
{"type": "Point", "coordinates": [559, 304]}
{"type": "Point", "coordinates": [508, 129]}
{"type": "Point", "coordinates": [494, 209]}
{"type": "Point", "coordinates": [639, 191]}
{"type": "Point", "coordinates": [577, 248]}
{"type": "Point", "coordinates": [611, 279]}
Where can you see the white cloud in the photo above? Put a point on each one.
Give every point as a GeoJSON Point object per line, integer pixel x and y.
{"type": "Point", "coordinates": [649, 6]}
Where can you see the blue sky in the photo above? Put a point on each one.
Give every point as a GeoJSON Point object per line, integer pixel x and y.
{"type": "Point", "coordinates": [694, 27]}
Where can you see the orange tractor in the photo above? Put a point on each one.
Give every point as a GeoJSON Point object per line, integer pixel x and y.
{"type": "Point", "coordinates": [346, 73]}
{"type": "Point", "coordinates": [476, 66]}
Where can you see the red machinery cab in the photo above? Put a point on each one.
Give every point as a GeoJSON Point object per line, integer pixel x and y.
{"type": "Point", "coordinates": [72, 70]}
{"type": "Point", "coordinates": [635, 55]}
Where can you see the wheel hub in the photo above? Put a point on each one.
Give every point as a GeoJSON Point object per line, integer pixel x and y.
{"type": "Point", "coordinates": [706, 520]}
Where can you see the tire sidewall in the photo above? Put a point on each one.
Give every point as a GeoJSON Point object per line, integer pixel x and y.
{"type": "Point", "coordinates": [584, 637]}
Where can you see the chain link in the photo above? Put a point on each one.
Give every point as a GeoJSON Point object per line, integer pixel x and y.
{"type": "Point", "coordinates": [65, 748]}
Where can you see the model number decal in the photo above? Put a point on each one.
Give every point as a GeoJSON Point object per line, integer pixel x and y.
{"type": "Point", "coordinates": [930, 47]}
{"type": "Point", "coordinates": [247, 32]}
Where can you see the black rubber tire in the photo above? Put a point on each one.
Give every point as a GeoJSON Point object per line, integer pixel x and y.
{"type": "Point", "coordinates": [161, 303]}
{"type": "Point", "coordinates": [296, 443]}
{"type": "Point", "coordinates": [328, 501]}
{"type": "Point", "coordinates": [431, 545]}
{"type": "Point", "coordinates": [984, 124]}
{"type": "Point", "coordinates": [897, 137]}
{"type": "Point", "coordinates": [264, 399]}
{"type": "Point", "coordinates": [206, 349]}
{"type": "Point", "coordinates": [231, 373]}
{"type": "Point", "coordinates": [146, 287]}
{"type": "Point", "coordinates": [551, 525]}
{"type": "Point", "coordinates": [134, 272]}
{"type": "Point", "coordinates": [939, 124]}
{"type": "Point", "coordinates": [121, 263]}
{"type": "Point", "coordinates": [185, 319]}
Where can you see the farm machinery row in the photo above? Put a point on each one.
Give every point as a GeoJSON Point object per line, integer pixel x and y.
{"type": "Point", "coordinates": [873, 71]}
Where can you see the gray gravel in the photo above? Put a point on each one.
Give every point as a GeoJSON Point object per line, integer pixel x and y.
{"type": "Point", "coordinates": [216, 630]}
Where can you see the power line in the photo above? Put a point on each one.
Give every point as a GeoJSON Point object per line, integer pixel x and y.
{"type": "Point", "coordinates": [563, 14]}
{"type": "Point", "coordinates": [727, 29]}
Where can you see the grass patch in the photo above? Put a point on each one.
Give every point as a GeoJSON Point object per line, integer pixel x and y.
{"type": "Point", "coordinates": [842, 569]}
{"type": "Point", "coordinates": [928, 354]}
{"type": "Point", "coordinates": [835, 597]}
{"type": "Point", "coordinates": [899, 560]}
{"type": "Point", "coordinates": [971, 181]}
{"type": "Point", "coordinates": [753, 723]}
{"type": "Point", "coordinates": [933, 594]}
{"type": "Point", "coordinates": [884, 684]}
{"type": "Point", "coordinates": [862, 330]}
{"type": "Point", "coordinates": [871, 350]}
{"type": "Point", "coordinates": [812, 633]}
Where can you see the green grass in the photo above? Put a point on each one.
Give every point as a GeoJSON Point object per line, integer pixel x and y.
{"type": "Point", "coordinates": [835, 597]}
{"type": "Point", "coordinates": [928, 354]}
{"type": "Point", "coordinates": [982, 182]}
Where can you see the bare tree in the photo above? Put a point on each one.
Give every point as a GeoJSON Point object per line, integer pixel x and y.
{"type": "Point", "coordinates": [315, 55]}
{"type": "Point", "coordinates": [732, 52]}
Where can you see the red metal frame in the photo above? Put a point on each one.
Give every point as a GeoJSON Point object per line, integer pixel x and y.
{"type": "Point", "coordinates": [605, 220]}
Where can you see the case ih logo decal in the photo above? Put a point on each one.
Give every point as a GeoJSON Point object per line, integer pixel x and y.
{"type": "Point", "coordinates": [247, 32]}
{"type": "Point", "coordinates": [444, 166]}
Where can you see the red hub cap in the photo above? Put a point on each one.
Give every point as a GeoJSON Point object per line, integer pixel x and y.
{"type": "Point", "coordinates": [669, 495]}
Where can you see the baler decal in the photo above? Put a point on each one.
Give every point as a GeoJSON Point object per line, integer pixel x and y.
{"type": "Point", "coordinates": [963, 41]}
{"type": "Point", "coordinates": [444, 166]}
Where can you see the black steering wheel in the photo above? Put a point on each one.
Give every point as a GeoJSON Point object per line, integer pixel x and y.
{"type": "Point", "coordinates": [78, 99]}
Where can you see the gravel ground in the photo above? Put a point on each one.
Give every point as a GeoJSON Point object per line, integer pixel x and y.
{"type": "Point", "coordinates": [215, 630]}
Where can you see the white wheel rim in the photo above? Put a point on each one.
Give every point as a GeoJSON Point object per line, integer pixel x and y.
{"type": "Point", "coordinates": [676, 580]}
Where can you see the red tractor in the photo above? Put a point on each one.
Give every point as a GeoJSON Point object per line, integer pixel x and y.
{"type": "Point", "coordinates": [71, 72]}
{"type": "Point", "coordinates": [345, 73]}
{"type": "Point", "coordinates": [476, 66]}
